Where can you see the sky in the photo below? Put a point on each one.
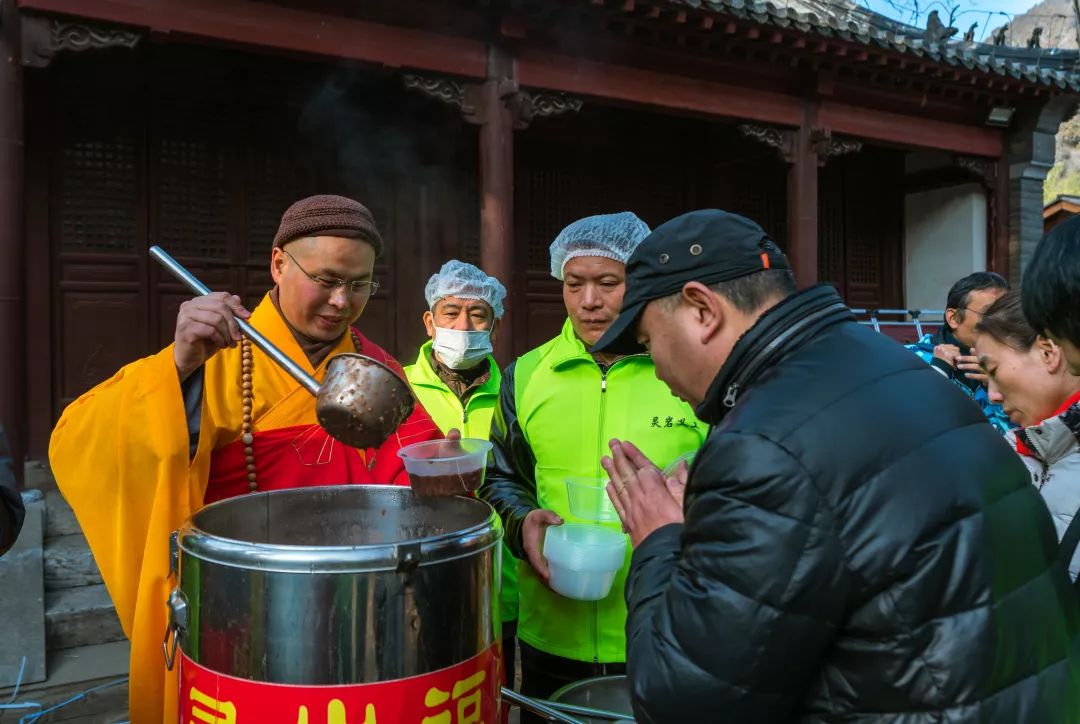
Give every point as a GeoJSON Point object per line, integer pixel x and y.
{"type": "Point", "coordinates": [970, 11]}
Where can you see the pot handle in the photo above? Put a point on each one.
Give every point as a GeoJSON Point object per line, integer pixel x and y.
{"type": "Point", "coordinates": [178, 619]}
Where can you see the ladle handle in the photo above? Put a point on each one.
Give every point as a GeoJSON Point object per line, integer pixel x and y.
{"type": "Point", "coordinates": [192, 283]}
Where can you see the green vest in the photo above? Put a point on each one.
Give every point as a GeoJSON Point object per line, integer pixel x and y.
{"type": "Point", "coordinates": [568, 411]}
{"type": "Point", "coordinates": [474, 420]}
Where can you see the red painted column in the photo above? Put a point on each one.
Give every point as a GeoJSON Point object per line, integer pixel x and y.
{"type": "Point", "coordinates": [497, 187]}
{"type": "Point", "coordinates": [12, 247]}
{"type": "Point", "coordinates": [998, 226]}
{"type": "Point", "coordinates": [802, 188]}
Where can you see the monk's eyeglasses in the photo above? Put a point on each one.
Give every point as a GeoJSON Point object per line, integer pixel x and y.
{"type": "Point", "coordinates": [360, 287]}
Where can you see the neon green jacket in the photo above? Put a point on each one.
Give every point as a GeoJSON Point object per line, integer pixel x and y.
{"type": "Point", "coordinates": [474, 420]}
{"type": "Point", "coordinates": [557, 411]}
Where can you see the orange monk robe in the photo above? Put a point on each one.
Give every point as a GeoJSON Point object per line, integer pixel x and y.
{"type": "Point", "coordinates": [121, 457]}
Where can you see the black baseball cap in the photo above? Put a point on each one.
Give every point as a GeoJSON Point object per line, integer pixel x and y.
{"type": "Point", "coordinates": [707, 246]}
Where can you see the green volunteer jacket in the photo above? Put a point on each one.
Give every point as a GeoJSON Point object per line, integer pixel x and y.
{"type": "Point", "coordinates": [474, 420]}
{"type": "Point", "coordinates": [557, 411]}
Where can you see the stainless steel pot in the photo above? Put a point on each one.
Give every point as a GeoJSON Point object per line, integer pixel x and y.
{"type": "Point", "coordinates": [336, 585]}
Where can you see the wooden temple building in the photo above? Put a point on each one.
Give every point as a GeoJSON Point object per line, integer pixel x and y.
{"type": "Point", "coordinates": [477, 129]}
{"type": "Point", "coordinates": [886, 159]}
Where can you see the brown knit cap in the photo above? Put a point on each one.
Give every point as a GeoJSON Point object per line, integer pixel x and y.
{"type": "Point", "coordinates": [328, 215]}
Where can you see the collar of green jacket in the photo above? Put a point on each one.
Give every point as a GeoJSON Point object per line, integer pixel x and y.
{"type": "Point", "coordinates": [421, 373]}
{"type": "Point", "coordinates": [568, 348]}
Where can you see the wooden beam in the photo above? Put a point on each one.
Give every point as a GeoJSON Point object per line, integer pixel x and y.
{"type": "Point", "coordinates": [998, 223]}
{"type": "Point", "coordinates": [260, 24]}
{"type": "Point", "coordinates": [512, 26]}
{"type": "Point", "coordinates": [800, 42]}
{"type": "Point", "coordinates": [802, 188]}
{"type": "Point", "coordinates": [753, 33]}
{"type": "Point", "coordinates": [680, 17]}
{"type": "Point", "coordinates": [497, 182]}
{"type": "Point", "coordinates": [911, 131]}
{"type": "Point", "coordinates": [538, 69]}
{"type": "Point", "coordinates": [654, 12]}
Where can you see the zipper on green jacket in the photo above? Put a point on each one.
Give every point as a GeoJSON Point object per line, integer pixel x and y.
{"type": "Point", "coordinates": [596, 605]}
{"type": "Point", "coordinates": [602, 450]}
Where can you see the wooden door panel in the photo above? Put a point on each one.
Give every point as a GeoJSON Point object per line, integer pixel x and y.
{"type": "Point", "coordinates": [169, 306]}
{"type": "Point", "coordinates": [97, 337]}
{"type": "Point", "coordinates": [545, 319]}
{"type": "Point", "coordinates": [377, 322]}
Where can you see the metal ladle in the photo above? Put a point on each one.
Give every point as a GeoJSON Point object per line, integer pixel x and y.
{"type": "Point", "coordinates": [360, 402]}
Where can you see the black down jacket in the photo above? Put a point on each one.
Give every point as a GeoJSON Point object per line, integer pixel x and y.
{"type": "Point", "coordinates": [859, 546]}
{"type": "Point", "coordinates": [11, 505]}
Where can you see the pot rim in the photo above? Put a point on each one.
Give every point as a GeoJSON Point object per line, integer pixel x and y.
{"type": "Point", "coordinates": [404, 555]}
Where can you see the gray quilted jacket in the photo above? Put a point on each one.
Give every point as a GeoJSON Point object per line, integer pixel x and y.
{"type": "Point", "coordinates": [1051, 452]}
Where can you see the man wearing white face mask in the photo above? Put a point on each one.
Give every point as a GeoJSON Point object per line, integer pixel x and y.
{"type": "Point", "coordinates": [457, 381]}
{"type": "Point", "coordinates": [455, 373]}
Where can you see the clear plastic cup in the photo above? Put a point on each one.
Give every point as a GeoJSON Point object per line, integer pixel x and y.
{"type": "Point", "coordinates": [687, 458]}
{"type": "Point", "coordinates": [446, 467]}
{"type": "Point", "coordinates": [589, 500]}
{"type": "Point", "coordinates": [583, 559]}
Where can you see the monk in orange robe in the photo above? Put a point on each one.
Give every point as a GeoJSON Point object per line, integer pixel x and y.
{"type": "Point", "coordinates": [210, 417]}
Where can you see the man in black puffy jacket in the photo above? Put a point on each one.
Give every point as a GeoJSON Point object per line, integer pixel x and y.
{"type": "Point", "coordinates": [858, 545]}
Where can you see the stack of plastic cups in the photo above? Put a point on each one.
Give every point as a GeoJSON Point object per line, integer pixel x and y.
{"type": "Point", "coordinates": [585, 557]}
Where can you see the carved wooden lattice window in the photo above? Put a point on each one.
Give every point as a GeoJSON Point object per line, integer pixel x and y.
{"type": "Point", "coordinates": [192, 192]}
{"type": "Point", "coordinates": [831, 229]}
{"type": "Point", "coordinates": [863, 231]}
{"type": "Point", "coordinates": [552, 205]}
{"type": "Point", "coordinates": [863, 263]}
{"type": "Point", "coordinates": [469, 214]}
{"type": "Point", "coordinates": [275, 181]}
{"type": "Point", "coordinates": [99, 194]}
{"type": "Point", "coordinates": [760, 194]}
{"type": "Point", "coordinates": [560, 193]}
{"type": "Point", "coordinates": [192, 199]}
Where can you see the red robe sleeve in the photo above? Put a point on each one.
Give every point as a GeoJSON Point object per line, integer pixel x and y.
{"type": "Point", "coordinates": [419, 426]}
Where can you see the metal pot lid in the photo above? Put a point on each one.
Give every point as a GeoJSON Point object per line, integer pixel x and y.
{"type": "Point", "coordinates": [339, 529]}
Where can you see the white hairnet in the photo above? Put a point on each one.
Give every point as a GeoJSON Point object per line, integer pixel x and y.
{"type": "Point", "coordinates": [461, 279]}
{"type": "Point", "coordinates": [612, 236]}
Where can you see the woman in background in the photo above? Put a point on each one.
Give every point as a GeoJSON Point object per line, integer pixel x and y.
{"type": "Point", "coordinates": [1029, 377]}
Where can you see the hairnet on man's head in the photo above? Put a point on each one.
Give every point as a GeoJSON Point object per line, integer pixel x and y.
{"type": "Point", "coordinates": [461, 279]}
{"type": "Point", "coordinates": [611, 236]}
